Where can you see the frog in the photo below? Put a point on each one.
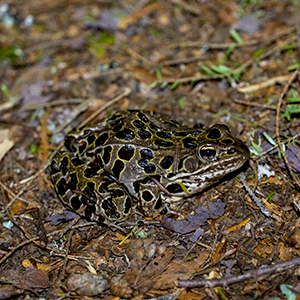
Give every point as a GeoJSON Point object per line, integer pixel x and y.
{"type": "Point", "coordinates": [141, 161]}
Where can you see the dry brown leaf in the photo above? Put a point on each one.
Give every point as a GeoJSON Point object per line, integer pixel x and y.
{"type": "Point", "coordinates": [118, 236]}
{"type": "Point", "coordinates": [273, 207]}
{"type": "Point", "coordinates": [9, 292]}
{"type": "Point", "coordinates": [5, 143]}
{"type": "Point", "coordinates": [190, 295]}
{"type": "Point", "coordinates": [29, 85]}
{"type": "Point", "coordinates": [26, 263]}
{"type": "Point", "coordinates": [284, 252]}
{"type": "Point", "coordinates": [219, 249]}
{"type": "Point", "coordinates": [155, 267]}
{"type": "Point", "coordinates": [238, 226]}
{"type": "Point", "coordinates": [28, 278]}
{"type": "Point", "coordinates": [180, 270]}
{"type": "Point", "coordinates": [17, 206]}
{"type": "Point", "coordinates": [264, 249]}
{"type": "Point", "coordinates": [142, 74]}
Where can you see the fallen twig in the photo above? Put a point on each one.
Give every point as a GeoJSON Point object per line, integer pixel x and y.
{"type": "Point", "coordinates": [259, 203]}
{"type": "Point", "coordinates": [247, 103]}
{"type": "Point", "coordinates": [263, 84]}
{"type": "Point", "coordinates": [282, 95]}
{"type": "Point", "coordinates": [241, 68]}
{"type": "Point", "coordinates": [32, 240]}
{"type": "Point", "coordinates": [253, 274]}
{"type": "Point", "coordinates": [221, 46]}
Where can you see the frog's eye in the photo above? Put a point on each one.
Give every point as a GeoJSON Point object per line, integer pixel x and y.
{"type": "Point", "coordinates": [214, 133]}
{"type": "Point", "coordinates": [208, 152]}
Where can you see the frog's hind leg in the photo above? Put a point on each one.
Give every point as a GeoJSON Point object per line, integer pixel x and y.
{"type": "Point", "coordinates": [64, 178]}
{"type": "Point", "coordinates": [89, 191]}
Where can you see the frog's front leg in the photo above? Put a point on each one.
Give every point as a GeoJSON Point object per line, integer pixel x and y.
{"type": "Point", "coordinates": [158, 196]}
{"type": "Point", "coordinates": [151, 195]}
{"type": "Point", "coordinates": [110, 199]}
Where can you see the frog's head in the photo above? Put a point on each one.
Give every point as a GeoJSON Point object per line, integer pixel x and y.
{"type": "Point", "coordinates": [218, 153]}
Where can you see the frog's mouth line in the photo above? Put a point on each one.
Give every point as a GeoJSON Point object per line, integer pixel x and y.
{"type": "Point", "coordinates": [197, 184]}
{"type": "Point", "coordinates": [212, 170]}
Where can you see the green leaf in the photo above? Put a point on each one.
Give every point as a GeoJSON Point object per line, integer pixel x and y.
{"type": "Point", "coordinates": [133, 230]}
{"type": "Point", "coordinates": [158, 74]}
{"type": "Point", "coordinates": [142, 234]}
{"type": "Point", "coordinates": [236, 37]}
{"type": "Point", "coordinates": [221, 293]}
{"type": "Point", "coordinates": [270, 195]}
{"type": "Point", "coordinates": [97, 43]}
{"type": "Point", "coordinates": [34, 149]}
{"type": "Point", "coordinates": [164, 84]}
{"type": "Point", "coordinates": [287, 291]}
{"type": "Point", "coordinates": [293, 93]}
{"type": "Point", "coordinates": [295, 99]}
{"type": "Point", "coordinates": [258, 53]}
{"type": "Point", "coordinates": [291, 109]}
{"type": "Point", "coordinates": [221, 113]}
{"type": "Point", "coordinates": [175, 85]}
{"type": "Point", "coordinates": [8, 53]}
{"type": "Point", "coordinates": [270, 100]}
{"type": "Point", "coordinates": [207, 70]}
{"type": "Point", "coordinates": [103, 68]}
{"type": "Point", "coordinates": [4, 89]}
{"type": "Point", "coordinates": [236, 76]}
{"type": "Point", "coordinates": [240, 119]}
{"type": "Point", "coordinates": [181, 102]}
{"type": "Point", "coordinates": [288, 47]}
{"type": "Point", "coordinates": [153, 85]}
{"type": "Point", "coordinates": [293, 67]}
{"type": "Point", "coordinates": [221, 69]}
{"type": "Point", "coordinates": [155, 33]}
{"type": "Point", "coordinates": [229, 51]}
{"type": "Point", "coordinates": [260, 13]}
{"type": "Point", "coordinates": [256, 149]}
{"type": "Point", "coordinates": [229, 79]}
{"type": "Point", "coordinates": [269, 139]}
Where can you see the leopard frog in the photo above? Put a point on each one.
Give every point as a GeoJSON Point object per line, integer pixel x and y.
{"type": "Point", "coordinates": [137, 160]}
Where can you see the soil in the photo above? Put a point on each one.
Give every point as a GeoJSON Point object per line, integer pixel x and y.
{"type": "Point", "coordinates": [67, 63]}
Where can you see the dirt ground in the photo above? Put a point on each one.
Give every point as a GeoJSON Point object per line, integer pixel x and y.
{"type": "Point", "coordinates": [66, 63]}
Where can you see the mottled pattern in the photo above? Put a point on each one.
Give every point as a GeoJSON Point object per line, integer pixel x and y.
{"type": "Point", "coordinates": [140, 160]}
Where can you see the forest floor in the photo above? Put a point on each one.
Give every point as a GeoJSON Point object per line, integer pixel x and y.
{"type": "Point", "coordinates": [231, 62]}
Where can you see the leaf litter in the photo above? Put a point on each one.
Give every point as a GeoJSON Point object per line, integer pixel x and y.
{"type": "Point", "coordinates": [214, 63]}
